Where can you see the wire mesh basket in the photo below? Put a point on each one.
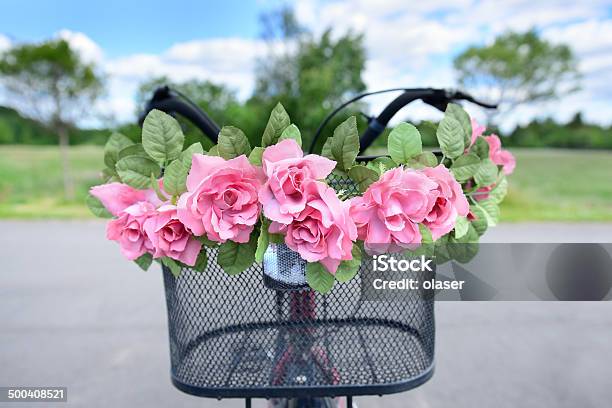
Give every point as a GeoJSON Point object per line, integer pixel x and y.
{"type": "Point", "coordinates": [234, 336]}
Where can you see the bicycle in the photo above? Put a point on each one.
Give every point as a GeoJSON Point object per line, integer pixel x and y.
{"type": "Point", "coordinates": [287, 343]}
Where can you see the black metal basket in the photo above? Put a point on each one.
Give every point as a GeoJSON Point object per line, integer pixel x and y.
{"type": "Point", "coordinates": [233, 336]}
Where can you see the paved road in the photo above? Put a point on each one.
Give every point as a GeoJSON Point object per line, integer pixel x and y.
{"type": "Point", "coordinates": [74, 313]}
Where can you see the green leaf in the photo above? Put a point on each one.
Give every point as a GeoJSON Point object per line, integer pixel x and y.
{"type": "Point", "coordinates": [363, 176]}
{"type": "Point", "coordinates": [427, 246]}
{"type": "Point", "coordinates": [201, 261]}
{"type": "Point", "coordinates": [464, 167]}
{"type": "Point", "coordinates": [345, 143]}
{"type": "Point", "coordinates": [404, 143]}
{"type": "Point", "coordinates": [108, 174]}
{"type": "Point", "coordinates": [96, 207]}
{"type": "Point", "coordinates": [188, 153]}
{"type": "Point", "coordinates": [207, 242]}
{"type": "Point", "coordinates": [498, 193]}
{"type": "Point", "coordinates": [162, 137]}
{"type": "Point", "coordinates": [480, 148]}
{"type": "Point", "coordinates": [291, 132]}
{"type": "Point", "coordinates": [461, 227]}
{"type": "Point", "coordinates": [116, 142]}
{"type": "Point", "coordinates": [348, 269]}
{"type": "Point", "coordinates": [213, 151]}
{"type": "Point", "coordinates": [276, 238]}
{"type": "Point", "coordinates": [441, 254]}
{"type": "Point", "coordinates": [480, 224]}
{"type": "Point", "coordinates": [465, 248]}
{"type": "Point", "coordinates": [490, 210]}
{"type": "Point", "coordinates": [133, 150]}
{"type": "Point", "coordinates": [174, 266]}
{"type": "Point", "coordinates": [486, 173]}
{"type": "Point", "coordinates": [136, 171]}
{"type": "Point", "coordinates": [233, 143]}
{"type": "Point", "coordinates": [456, 112]}
{"type": "Point", "coordinates": [426, 237]}
{"type": "Point", "coordinates": [234, 257]}
{"type": "Point", "coordinates": [255, 156]}
{"type": "Point", "coordinates": [326, 151]}
{"type": "Point", "coordinates": [175, 177]}
{"type": "Point", "coordinates": [318, 277]}
{"type": "Point", "coordinates": [450, 137]}
{"type": "Point", "coordinates": [279, 120]}
{"type": "Point", "coordinates": [263, 240]}
{"type": "Point", "coordinates": [155, 186]}
{"type": "Point", "coordinates": [144, 261]}
{"type": "Point", "coordinates": [381, 164]}
{"type": "Point", "coordinates": [425, 159]}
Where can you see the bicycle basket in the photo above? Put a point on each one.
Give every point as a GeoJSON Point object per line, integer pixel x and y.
{"type": "Point", "coordinates": [233, 336]}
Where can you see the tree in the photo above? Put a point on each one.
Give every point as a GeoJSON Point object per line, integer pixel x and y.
{"type": "Point", "coordinates": [310, 74]}
{"type": "Point", "coordinates": [49, 82]}
{"type": "Point", "coordinates": [518, 68]}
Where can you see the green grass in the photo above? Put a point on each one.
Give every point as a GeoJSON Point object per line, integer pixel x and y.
{"type": "Point", "coordinates": [31, 181]}
{"type": "Point", "coordinates": [560, 185]}
{"type": "Point", "coordinates": [548, 184]}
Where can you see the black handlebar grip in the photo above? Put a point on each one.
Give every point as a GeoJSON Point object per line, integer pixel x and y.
{"type": "Point", "coordinates": [172, 104]}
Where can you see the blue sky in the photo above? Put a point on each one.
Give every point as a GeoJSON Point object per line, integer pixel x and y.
{"type": "Point", "coordinates": [126, 27]}
{"type": "Point", "coordinates": [408, 43]}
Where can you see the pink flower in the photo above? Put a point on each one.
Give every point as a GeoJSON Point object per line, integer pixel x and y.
{"type": "Point", "coordinates": [323, 231]}
{"type": "Point", "coordinates": [450, 203]}
{"type": "Point", "coordinates": [116, 197]}
{"type": "Point", "coordinates": [499, 156]}
{"type": "Point", "coordinates": [483, 192]}
{"type": "Point", "coordinates": [282, 196]}
{"type": "Point", "coordinates": [477, 130]}
{"type": "Point", "coordinates": [388, 213]}
{"type": "Point", "coordinates": [221, 199]}
{"type": "Point", "coordinates": [128, 230]}
{"type": "Point", "coordinates": [170, 238]}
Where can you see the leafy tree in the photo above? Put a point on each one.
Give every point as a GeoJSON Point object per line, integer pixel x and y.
{"type": "Point", "coordinates": [518, 68]}
{"type": "Point", "coordinates": [310, 74]}
{"type": "Point", "coordinates": [49, 82]}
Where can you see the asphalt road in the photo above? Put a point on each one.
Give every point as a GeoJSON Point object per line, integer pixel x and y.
{"type": "Point", "coordinates": [74, 313]}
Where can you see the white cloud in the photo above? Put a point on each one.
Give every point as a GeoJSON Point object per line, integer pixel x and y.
{"type": "Point", "coordinates": [408, 44]}
{"type": "Point", "coordinates": [5, 42]}
{"type": "Point", "coordinates": [412, 44]}
{"type": "Point", "coordinates": [86, 47]}
{"type": "Point", "coordinates": [230, 61]}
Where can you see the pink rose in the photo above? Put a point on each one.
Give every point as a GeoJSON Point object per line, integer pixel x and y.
{"type": "Point", "coordinates": [388, 213]}
{"type": "Point", "coordinates": [128, 230]}
{"type": "Point", "coordinates": [116, 197]}
{"type": "Point", "coordinates": [483, 192]}
{"type": "Point", "coordinates": [287, 171]}
{"type": "Point", "coordinates": [499, 156]}
{"type": "Point", "coordinates": [450, 203]}
{"type": "Point", "coordinates": [477, 130]}
{"type": "Point", "coordinates": [170, 238]}
{"type": "Point", "coordinates": [221, 199]}
{"type": "Point", "coordinates": [323, 231]}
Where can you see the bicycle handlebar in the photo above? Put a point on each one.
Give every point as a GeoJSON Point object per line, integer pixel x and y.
{"type": "Point", "coordinates": [438, 98]}
{"type": "Point", "coordinates": [169, 101]}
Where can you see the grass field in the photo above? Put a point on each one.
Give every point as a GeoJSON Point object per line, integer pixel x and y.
{"type": "Point", "coordinates": [548, 184]}
{"type": "Point", "coordinates": [31, 181]}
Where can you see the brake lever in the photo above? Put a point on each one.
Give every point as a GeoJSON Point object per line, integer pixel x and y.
{"type": "Point", "coordinates": [440, 100]}
{"type": "Point", "coordinates": [460, 95]}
